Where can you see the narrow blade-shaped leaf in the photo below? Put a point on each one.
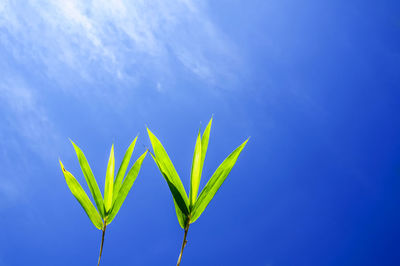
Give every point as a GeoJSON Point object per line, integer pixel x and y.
{"type": "Point", "coordinates": [82, 198]}
{"type": "Point", "coordinates": [180, 215]}
{"type": "Point", "coordinates": [91, 181]}
{"type": "Point", "coordinates": [195, 175]}
{"type": "Point", "coordinates": [122, 169]}
{"type": "Point", "coordinates": [126, 186]}
{"type": "Point", "coordinates": [215, 182]}
{"type": "Point", "coordinates": [204, 144]}
{"type": "Point", "coordinates": [168, 171]}
{"type": "Point", "coordinates": [176, 195]}
{"type": "Point", "coordinates": [109, 185]}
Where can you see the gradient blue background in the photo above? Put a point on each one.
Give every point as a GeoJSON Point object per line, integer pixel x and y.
{"type": "Point", "coordinates": [315, 84]}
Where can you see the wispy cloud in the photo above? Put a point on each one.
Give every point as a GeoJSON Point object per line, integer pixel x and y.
{"type": "Point", "coordinates": [25, 131]}
{"type": "Point", "coordinates": [70, 44]}
{"type": "Point", "coordinates": [23, 117]}
{"type": "Point", "coordinates": [115, 38]}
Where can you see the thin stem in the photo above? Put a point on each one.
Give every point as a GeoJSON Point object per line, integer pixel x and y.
{"type": "Point", "coordinates": [183, 244]}
{"type": "Point", "coordinates": [102, 242]}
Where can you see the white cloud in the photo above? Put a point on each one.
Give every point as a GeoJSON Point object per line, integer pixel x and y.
{"type": "Point", "coordinates": [9, 192]}
{"type": "Point", "coordinates": [25, 131]}
{"type": "Point", "coordinates": [71, 43]}
{"type": "Point", "coordinates": [115, 38]}
{"type": "Point", "coordinates": [24, 118]}
{"type": "Point", "coordinates": [159, 87]}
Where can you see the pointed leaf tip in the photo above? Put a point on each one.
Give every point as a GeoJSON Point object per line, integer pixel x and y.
{"type": "Point", "coordinates": [195, 175]}
{"type": "Point", "coordinates": [109, 183]}
{"type": "Point", "coordinates": [169, 173]}
{"type": "Point", "coordinates": [61, 164]}
{"type": "Point", "coordinates": [82, 198]}
{"type": "Point", "coordinates": [126, 186]}
{"type": "Point", "coordinates": [90, 180]}
{"type": "Point", "coordinates": [123, 167]}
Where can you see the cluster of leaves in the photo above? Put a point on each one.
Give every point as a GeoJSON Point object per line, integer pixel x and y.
{"type": "Point", "coordinates": [189, 209]}
{"type": "Point", "coordinates": [115, 189]}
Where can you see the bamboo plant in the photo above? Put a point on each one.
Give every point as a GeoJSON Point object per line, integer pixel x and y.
{"type": "Point", "coordinates": [189, 209]}
{"type": "Point", "coordinates": [115, 190]}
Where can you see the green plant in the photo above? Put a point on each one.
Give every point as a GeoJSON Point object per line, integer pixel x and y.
{"type": "Point", "coordinates": [115, 191]}
{"type": "Point", "coordinates": [188, 210]}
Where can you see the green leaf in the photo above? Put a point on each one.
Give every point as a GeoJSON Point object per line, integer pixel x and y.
{"type": "Point", "coordinates": [215, 183]}
{"type": "Point", "coordinates": [182, 218]}
{"type": "Point", "coordinates": [168, 171]}
{"type": "Point", "coordinates": [195, 174]}
{"type": "Point", "coordinates": [122, 169]}
{"type": "Point", "coordinates": [204, 144]}
{"type": "Point", "coordinates": [109, 185]}
{"type": "Point", "coordinates": [179, 199]}
{"type": "Point", "coordinates": [126, 186]}
{"type": "Point", "coordinates": [82, 198]}
{"type": "Point", "coordinates": [91, 181]}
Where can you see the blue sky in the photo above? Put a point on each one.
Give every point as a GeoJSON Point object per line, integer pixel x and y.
{"type": "Point", "coordinates": [315, 84]}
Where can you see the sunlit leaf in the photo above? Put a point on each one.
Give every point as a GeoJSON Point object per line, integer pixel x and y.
{"type": "Point", "coordinates": [82, 198]}
{"type": "Point", "coordinates": [168, 171]}
{"type": "Point", "coordinates": [126, 186]}
{"type": "Point", "coordinates": [215, 182]}
{"type": "Point", "coordinates": [196, 204]}
{"type": "Point", "coordinates": [195, 174]}
{"type": "Point", "coordinates": [204, 144]}
{"type": "Point", "coordinates": [91, 181]}
{"type": "Point", "coordinates": [179, 199]}
{"type": "Point", "coordinates": [182, 218]}
{"type": "Point", "coordinates": [122, 169]}
{"type": "Point", "coordinates": [109, 185]}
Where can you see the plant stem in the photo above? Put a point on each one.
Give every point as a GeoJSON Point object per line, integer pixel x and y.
{"type": "Point", "coordinates": [102, 242]}
{"type": "Point", "coordinates": [183, 244]}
